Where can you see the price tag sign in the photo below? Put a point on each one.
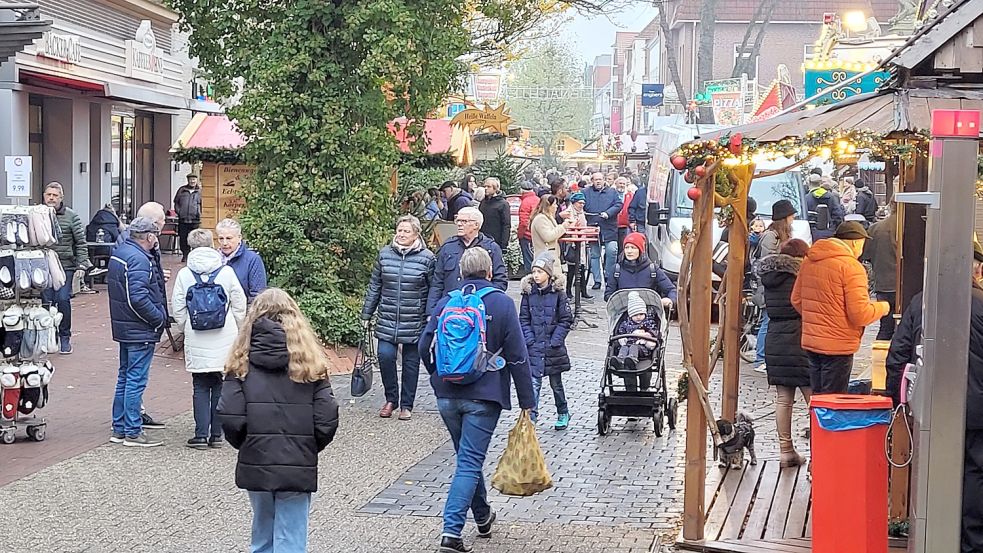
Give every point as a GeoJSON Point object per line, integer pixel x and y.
{"type": "Point", "coordinates": [18, 176]}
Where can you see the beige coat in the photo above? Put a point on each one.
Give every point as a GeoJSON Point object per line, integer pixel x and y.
{"type": "Point", "coordinates": [546, 233]}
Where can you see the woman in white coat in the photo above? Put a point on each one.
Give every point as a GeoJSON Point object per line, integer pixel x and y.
{"type": "Point", "coordinates": [546, 232]}
{"type": "Point", "coordinates": [205, 351]}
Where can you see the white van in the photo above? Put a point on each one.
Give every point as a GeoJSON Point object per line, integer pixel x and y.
{"type": "Point", "coordinates": [670, 210]}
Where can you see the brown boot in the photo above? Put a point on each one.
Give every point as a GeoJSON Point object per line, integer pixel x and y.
{"type": "Point", "coordinates": [387, 410]}
{"type": "Point", "coordinates": [783, 417]}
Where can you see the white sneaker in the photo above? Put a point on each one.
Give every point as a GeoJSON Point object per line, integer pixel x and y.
{"type": "Point", "coordinates": [762, 368]}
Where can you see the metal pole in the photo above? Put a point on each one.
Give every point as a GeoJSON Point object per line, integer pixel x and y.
{"type": "Point", "coordinates": [939, 401]}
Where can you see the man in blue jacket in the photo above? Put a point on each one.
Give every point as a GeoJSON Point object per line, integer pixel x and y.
{"type": "Point", "coordinates": [447, 274]}
{"type": "Point", "coordinates": [471, 411]}
{"type": "Point", "coordinates": [638, 209]}
{"type": "Point", "coordinates": [136, 309]}
{"type": "Point", "coordinates": [246, 263]}
{"type": "Point", "coordinates": [602, 208]}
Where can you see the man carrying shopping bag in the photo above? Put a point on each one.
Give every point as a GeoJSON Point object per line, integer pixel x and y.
{"type": "Point", "coordinates": [479, 346]}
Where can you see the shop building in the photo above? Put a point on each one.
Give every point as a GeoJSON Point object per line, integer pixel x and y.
{"type": "Point", "coordinates": [97, 102]}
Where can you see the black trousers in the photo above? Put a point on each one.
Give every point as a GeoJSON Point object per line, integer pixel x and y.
{"type": "Point", "coordinates": [972, 527]}
{"type": "Point", "coordinates": [830, 374]}
{"type": "Point", "coordinates": [183, 230]}
{"type": "Point", "coordinates": [886, 330]}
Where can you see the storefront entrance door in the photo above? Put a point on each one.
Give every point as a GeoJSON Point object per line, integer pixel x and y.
{"type": "Point", "coordinates": [133, 163]}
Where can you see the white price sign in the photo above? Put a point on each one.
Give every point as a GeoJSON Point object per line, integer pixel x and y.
{"type": "Point", "coordinates": [18, 176]}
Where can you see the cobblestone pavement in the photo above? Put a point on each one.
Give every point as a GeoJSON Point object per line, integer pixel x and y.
{"type": "Point", "coordinates": [382, 482]}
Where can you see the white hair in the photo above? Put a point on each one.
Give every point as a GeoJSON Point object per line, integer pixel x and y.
{"type": "Point", "coordinates": [229, 224]}
{"type": "Point", "coordinates": [412, 221]}
{"type": "Point", "coordinates": [201, 238]}
{"type": "Point", "coordinates": [473, 213]}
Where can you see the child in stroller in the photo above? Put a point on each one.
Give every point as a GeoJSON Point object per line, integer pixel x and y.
{"type": "Point", "coordinates": [641, 321]}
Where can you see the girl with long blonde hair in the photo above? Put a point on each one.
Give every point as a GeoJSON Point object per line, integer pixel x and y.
{"type": "Point", "coordinates": [278, 410]}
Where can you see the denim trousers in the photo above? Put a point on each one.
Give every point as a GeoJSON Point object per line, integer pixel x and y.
{"type": "Point", "coordinates": [62, 300]}
{"type": "Point", "coordinates": [471, 424]}
{"type": "Point", "coordinates": [207, 391]}
{"type": "Point", "coordinates": [134, 371]}
{"type": "Point", "coordinates": [830, 374]}
{"type": "Point", "coordinates": [525, 245]}
{"type": "Point", "coordinates": [411, 373]}
{"type": "Point", "coordinates": [559, 394]}
{"type": "Point", "coordinates": [759, 354]}
{"type": "Point", "coordinates": [610, 257]}
{"type": "Point", "coordinates": [280, 521]}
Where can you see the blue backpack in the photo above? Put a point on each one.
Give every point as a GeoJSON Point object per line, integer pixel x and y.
{"type": "Point", "coordinates": [461, 355]}
{"type": "Point", "coordinates": [207, 302]}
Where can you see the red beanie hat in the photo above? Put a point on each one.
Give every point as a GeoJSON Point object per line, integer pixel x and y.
{"type": "Point", "coordinates": [636, 239]}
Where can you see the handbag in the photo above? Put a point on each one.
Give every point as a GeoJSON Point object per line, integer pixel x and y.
{"type": "Point", "coordinates": [366, 362]}
{"type": "Point", "coordinates": [522, 469]}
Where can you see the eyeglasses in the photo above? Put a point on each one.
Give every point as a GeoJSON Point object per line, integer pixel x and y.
{"type": "Point", "coordinates": [462, 221]}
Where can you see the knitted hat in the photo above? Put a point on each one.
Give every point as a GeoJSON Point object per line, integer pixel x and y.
{"type": "Point", "coordinates": [526, 185]}
{"type": "Point", "coordinates": [545, 262]}
{"type": "Point", "coordinates": [782, 209]}
{"type": "Point", "coordinates": [636, 305]}
{"type": "Point", "coordinates": [577, 197]}
{"type": "Point", "coordinates": [636, 239]}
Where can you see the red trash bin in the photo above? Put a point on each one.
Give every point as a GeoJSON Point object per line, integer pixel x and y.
{"type": "Point", "coordinates": [849, 473]}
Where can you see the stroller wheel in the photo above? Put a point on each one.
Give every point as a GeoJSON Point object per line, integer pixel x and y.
{"type": "Point", "coordinates": [603, 422]}
{"type": "Point", "coordinates": [659, 420]}
{"type": "Point", "coordinates": [673, 413]}
{"type": "Point", "coordinates": [7, 437]}
{"type": "Point", "coordinates": [36, 433]}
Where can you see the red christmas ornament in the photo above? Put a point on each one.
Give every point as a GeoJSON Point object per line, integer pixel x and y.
{"type": "Point", "coordinates": [688, 177]}
{"type": "Point", "coordinates": [694, 193]}
{"type": "Point", "coordinates": [679, 162]}
{"type": "Point", "coordinates": [736, 144]}
{"type": "Point", "coordinates": [701, 171]}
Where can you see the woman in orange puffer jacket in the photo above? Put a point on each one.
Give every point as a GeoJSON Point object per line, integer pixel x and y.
{"type": "Point", "coordinates": [831, 294]}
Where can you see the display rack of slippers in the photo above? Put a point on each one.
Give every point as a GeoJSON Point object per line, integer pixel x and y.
{"type": "Point", "coordinates": [29, 332]}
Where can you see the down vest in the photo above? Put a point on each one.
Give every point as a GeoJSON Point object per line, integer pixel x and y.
{"type": "Point", "coordinates": [398, 289]}
{"type": "Point", "coordinates": [71, 248]}
{"type": "Point", "coordinates": [278, 425]}
{"type": "Point", "coordinates": [787, 363]}
{"type": "Point", "coordinates": [831, 294]}
{"type": "Point", "coordinates": [546, 319]}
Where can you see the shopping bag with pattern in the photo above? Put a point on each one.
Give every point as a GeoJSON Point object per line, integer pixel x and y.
{"type": "Point", "coordinates": [522, 469]}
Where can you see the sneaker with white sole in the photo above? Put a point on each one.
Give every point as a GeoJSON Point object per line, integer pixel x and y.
{"type": "Point", "coordinates": [149, 422]}
{"type": "Point", "coordinates": [762, 368]}
{"type": "Point", "coordinates": [142, 440]}
{"type": "Point", "coordinates": [116, 438]}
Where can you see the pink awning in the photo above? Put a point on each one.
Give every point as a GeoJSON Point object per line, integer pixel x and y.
{"type": "Point", "coordinates": [210, 132]}
{"type": "Point", "coordinates": [437, 130]}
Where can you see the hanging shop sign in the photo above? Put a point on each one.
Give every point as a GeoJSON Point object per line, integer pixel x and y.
{"type": "Point", "coordinates": [230, 200]}
{"type": "Point", "coordinates": [818, 80]}
{"type": "Point", "coordinates": [474, 119]}
{"type": "Point", "coordinates": [144, 60]}
{"type": "Point", "coordinates": [724, 85]}
{"type": "Point", "coordinates": [64, 48]}
{"type": "Point", "coordinates": [18, 170]}
{"type": "Point", "coordinates": [653, 95]}
{"type": "Point", "coordinates": [487, 86]}
{"type": "Point", "coordinates": [728, 108]}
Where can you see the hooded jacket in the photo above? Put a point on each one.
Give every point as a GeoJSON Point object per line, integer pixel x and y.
{"type": "Point", "coordinates": [502, 332]}
{"type": "Point", "coordinates": [107, 221]}
{"type": "Point", "coordinates": [546, 318]}
{"type": "Point", "coordinates": [606, 200]}
{"type": "Point", "coordinates": [820, 196]}
{"type": "Point", "coordinates": [786, 361]}
{"type": "Point", "coordinates": [398, 290]}
{"type": "Point", "coordinates": [447, 271]}
{"type": "Point", "coordinates": [71, 248]}
{"type": "Point", "coordinates": [250, 270]}
{"type": "Point", "coordinates": [641, 273]}
{"type": "Point", "coordinates": [457, 203]}
{"type": "Point", "coordinates": [866, 204]}
{"type": "Point", "coordinates": [207, 350]}
{"type": "Point", "coordinates": [831, 294]}
{"type": "Point", "coordinates": [136, 295]}
{"type": "Point", "coordinates": [497, 214]}
{"type": "Point", "coordinates": [278, 425]}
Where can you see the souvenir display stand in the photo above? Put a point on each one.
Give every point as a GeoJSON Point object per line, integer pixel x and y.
{"type": "Point", "coordinates": [29, 332]}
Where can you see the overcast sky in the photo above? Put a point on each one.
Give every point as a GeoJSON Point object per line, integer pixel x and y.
{"type": "Point", "coordinates": [594, 35]}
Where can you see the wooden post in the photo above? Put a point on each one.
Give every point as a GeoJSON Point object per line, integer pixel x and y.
{"type": "Point", "coordinates": [736, 254]}
{"type": "Point", "coordinates": [694, 507]}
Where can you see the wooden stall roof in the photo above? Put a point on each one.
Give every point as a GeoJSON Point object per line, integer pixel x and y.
{"type": "Point", "coordinates": [943, 29]}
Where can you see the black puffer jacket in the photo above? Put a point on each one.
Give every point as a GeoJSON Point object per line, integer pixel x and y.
{"type": "Point", "coordinates": [498, 219]}
{"type": "Point", "coordinates": [278, 425]}
{"type": "Point", "coordinates": [398, 289]}
{"type": "Point", "coordinates": [545, 317]}
{"type": "Point", "coordinates": [787, 363]}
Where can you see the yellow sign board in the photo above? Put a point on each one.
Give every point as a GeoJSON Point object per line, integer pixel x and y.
{"type": "Point", "coordinates": [475, 119]}
{"type": "Point", "coordinates": [230, 200]}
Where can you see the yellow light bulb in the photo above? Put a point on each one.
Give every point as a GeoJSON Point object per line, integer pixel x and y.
{"type": "Point", "coordinates": [825, 153]}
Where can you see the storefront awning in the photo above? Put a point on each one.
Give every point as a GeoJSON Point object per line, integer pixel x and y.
{"type": "Point", "coordinates": [883, 112]}
{"type": "Point", "coordinates": [55, 81]}
{"type": "Point", "coordinates": [215, 132]}
{"type": "Point", "coordinates": [146, 96]}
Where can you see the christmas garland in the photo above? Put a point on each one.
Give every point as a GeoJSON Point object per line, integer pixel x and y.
{"type": "Point", "coordinates": [229, 156]}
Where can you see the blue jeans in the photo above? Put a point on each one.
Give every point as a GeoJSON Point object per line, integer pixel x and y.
{"type": "Point", "coordinates": [759, 354]}
{"type": "Point", "coordinates": [280, 521]}
{"type": "Point", "coordinates": [471, 424]}
{"type": "Point", "coordinates": [62, 300]}
{"type": "Point", "coordinates": [610, 258]}
{"type": "Point", "coordinates": [207, 391]}
{"type": "Point", "coordinates": [525, 244]}
{"type": "Point", "coordinates": [134, 371]}
{"type": "Point", "coordinates": [559, 394]}
{"type": "Point", "coordinates": [411, 373]}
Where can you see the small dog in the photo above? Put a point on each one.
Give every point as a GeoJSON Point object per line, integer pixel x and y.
{"type": "Point", "coordinates": [734, 439]}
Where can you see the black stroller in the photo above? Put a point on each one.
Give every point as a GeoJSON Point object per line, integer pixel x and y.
{"type": "Point", "coordinates": [621, 396]}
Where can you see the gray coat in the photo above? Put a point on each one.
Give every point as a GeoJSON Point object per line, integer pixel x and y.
{"type": "Point", "coordinates": [398, 290]}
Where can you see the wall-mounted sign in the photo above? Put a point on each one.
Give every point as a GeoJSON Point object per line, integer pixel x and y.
{"type": "Point", "coordinates": [18, 176]}
{"type": "Point", "coordinates": [818, 80]}
{"type": "Point", "coordinates": [728, 108]}
{"type": "Point", "coordinates": [230, 200]}
{"type": "Point", "coordinates": [64, 48]}
{"type": "Point", "coordinates": [653, 95]}
{"type": "Point", "coordinates": [487, 86]}
{"type": "Point", "coordinates": [144, 60]}
{"type": "Point", "coordinates": [476, 119]}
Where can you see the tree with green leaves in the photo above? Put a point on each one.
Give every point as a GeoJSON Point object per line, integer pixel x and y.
{"type": "Point", "coordinates": [552, 103]}
{"type": "Point", "coordinates": [313, 85]}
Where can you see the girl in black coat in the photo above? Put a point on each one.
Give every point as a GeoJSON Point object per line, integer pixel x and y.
{"type": "Point", "coordinates": [546, 318]}
{"type": "Point", "coordinates": [787, 364]}
{"type": "Point", "coordinates": [278, 410]}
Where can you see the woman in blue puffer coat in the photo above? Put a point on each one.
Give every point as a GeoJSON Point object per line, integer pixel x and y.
{"type": "Point", "coordinates": [398, 290]}
{"type": "Point", "coordinates": [546, 318]}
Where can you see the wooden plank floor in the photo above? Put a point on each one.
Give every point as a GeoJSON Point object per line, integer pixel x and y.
{"type": "Point", "coordinates": [759, 509]}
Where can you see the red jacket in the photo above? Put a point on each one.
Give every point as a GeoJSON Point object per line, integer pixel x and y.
{"type": "Point", "coordinates": [529, 202]}
{"type": "Point", "coordinates": [623, 215]}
